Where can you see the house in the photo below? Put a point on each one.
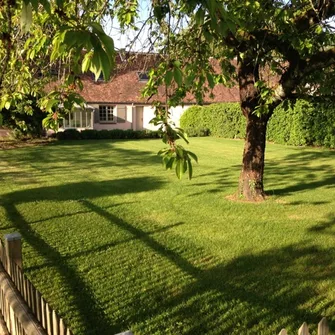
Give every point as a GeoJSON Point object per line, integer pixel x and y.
{"type": "Point", "coordinates": [118, 104]}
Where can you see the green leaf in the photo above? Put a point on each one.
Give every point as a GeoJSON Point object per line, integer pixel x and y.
{"type": "Point", "coordinates": [231, 25]}
{"type": "Point", "coordinates": [193, 155]}
{"type": "Point", "coordinates": [178, 76]}
{"type": "Point", "coordinates": [170, 163]}
{"type": "Point", "coordinates": [108, 44]}
{"type": "Point", "coordinates": [179, 151]}
{"type": "Point", "coordinates": [96, 65]}
{"type": "Point", "coordinates": [34, 4]}
{"type": "Point", "coordinates": [105, 64]}
{"type": "Point", "coordinates": [168, 78]}
{"type": "Point", "coordinates": [180, 132]}
{"type": "Point", "coordinates": [7, 104]}
{"type": "Point", "coordinates": [210, 79]}
{"type": "Point", "coordinates": [86, 64]}
{"type": "Point", "coordinates": [200, 16]}
{"type": "Point", "coordinates": [26, 17]}
{"type": "Point", "coordinates": [97, 27]}
{"type": "Point", "coordinates": [46, 5]}
{"type": "Point", "coordinates": [179, 168]}
{"type": "Point", "coordinates": [163, 151]}
{"type": "Point", "coordinates": [50, 104]}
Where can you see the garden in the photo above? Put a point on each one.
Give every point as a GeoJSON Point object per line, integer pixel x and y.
{"type": "Point", "coordinates": [114, 242]}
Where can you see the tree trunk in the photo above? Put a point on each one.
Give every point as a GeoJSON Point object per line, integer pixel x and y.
{"type": "Point", "coordinates": [251, 178]}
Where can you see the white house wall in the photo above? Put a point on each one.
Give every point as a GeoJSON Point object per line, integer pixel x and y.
{"type": "Point", "coordinates": [110, 126]}
{"type": "Point", "coordinates": [148, 114]}
{"type": "Point", "coordinates": [175, 114]}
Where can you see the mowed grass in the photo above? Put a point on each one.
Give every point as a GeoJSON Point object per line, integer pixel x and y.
{"type": "Point", "coordinates": [114, 242]}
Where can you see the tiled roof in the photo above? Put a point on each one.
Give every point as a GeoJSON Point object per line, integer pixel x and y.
{"type": "Point", "coordinates": [126, 88]}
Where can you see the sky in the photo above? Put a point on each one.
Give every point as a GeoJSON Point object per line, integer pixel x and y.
{"type": "Point", "coordinates": [122, 41]}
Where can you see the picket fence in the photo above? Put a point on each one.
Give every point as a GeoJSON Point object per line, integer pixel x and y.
{"type": "Point", "coordinates": [323, 329]}
{"type": "Point", "coordinates": [47, 318]}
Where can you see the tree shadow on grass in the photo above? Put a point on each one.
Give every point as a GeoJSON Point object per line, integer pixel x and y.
{"type": "Point", "coordinates": [325, 227]}
{"type": "Point", "coordinates": [91, 316]}
{"type": "Point", "coordinates": [306, 177]}
{"type": "Point", "coordinates": [259, 293]}
{"type": "Point", "coordinates": [62, 159]}
{"type": "Point", "coordinates": [281, 287]}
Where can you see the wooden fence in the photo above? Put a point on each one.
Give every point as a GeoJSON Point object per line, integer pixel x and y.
{"type": "Point", "coordinates": [323, 329]}
{"type": "Point", "coordinates": [45, 316]}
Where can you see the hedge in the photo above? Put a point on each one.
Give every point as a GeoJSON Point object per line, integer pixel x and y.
{"type": "Point", "coordinates": [304, 122]}
{"type": "Point", "coordinates": [91, 134]}
{"type": "Point", "coordinates": [223, 120]}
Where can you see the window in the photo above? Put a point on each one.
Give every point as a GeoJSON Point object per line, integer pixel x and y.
{"type": "Point", "coordinates": [143, 76]}
{"type": "Point", "coordinates": [79, 119]}
{"type": "Point", "coordinates": [106, 113]}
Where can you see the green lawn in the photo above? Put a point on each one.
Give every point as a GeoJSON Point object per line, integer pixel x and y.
{"type": "Point", "coordinates": [114, 242]}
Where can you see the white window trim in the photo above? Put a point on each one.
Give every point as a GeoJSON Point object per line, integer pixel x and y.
{"type": "Point", "coordinates": [71, 122]}
{"type": "Point", "coordinates": [114, 121]}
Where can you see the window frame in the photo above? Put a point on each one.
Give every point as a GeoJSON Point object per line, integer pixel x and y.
{"type": "Point", "coordinates": [71, 119]}
{"type": "Point", "coordinates": [107, 111]}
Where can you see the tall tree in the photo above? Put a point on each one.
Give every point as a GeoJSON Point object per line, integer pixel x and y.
{"type": "Point", "coordinates": [41, 38]}
{"type": "Point", "coordinates": [272, 49]}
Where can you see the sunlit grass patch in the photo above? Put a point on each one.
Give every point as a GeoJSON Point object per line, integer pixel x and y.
{"type": "Point", "coordinates": [114, 242]}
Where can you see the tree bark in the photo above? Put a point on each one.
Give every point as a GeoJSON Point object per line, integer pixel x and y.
{"type": "Point", "coordinates": [251, 185]}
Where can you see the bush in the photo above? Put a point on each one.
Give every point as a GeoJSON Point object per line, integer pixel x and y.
{"type": "Point", "coordinates": [304, 122]}
{"type": "Point", "coordinates": [69, 134]}
{"type": "Point", "coordinates": [223, 120]}
{"type": "Point", "coordinates": [89, 134]}
{"type": "Point", "coordinates": [92, 134]}
{"type": "Point", "coordinates": [24, 117]}
{"type": "Point", "coordinates": [192, 121]}
{"type": "Point", "coordinates": [196, 131]}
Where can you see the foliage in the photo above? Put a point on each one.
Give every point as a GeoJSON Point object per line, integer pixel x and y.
{"type": "Point", "coordinates": [91, 134]}
{"type": "Point", "coordinates": [175, 156]}
{"type": "Point", "coordinates": [25, 117]}
{"type": "Point", "coordinates": [303, 123]}
{"type": "Point", "coordinates": [44, 41]}
{"type": "Point", "coordinates": [221, 119]}
{"type": "Point", "coordinates": [192, 121]}
{"type": "Point", "coordinates": [225, 120]}
{"type": "Point", "coordinates": [114, 245]}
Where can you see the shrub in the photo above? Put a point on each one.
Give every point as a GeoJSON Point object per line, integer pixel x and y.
{"type": "Point", "coordinates": [304, 122]}
{"type": "Point", "coordinates": [223, 120]}
{"type": "Point", "coordinates": [92, 134]}
{"type": "Point", "coordinates": [89, 134]}
{"type": "Point", "coordinates": [69, 134]}
{"type": "Point", "coordinates": [192, 121]}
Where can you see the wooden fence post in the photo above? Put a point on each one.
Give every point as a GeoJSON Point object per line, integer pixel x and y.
{"type": "Point", "coordinates": [13, 246]}
{"type": "Point", "coordinates": [323, 328]}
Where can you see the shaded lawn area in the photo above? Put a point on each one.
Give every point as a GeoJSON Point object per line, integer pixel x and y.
{"type": "Point", "coordinates": [113, 242]}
